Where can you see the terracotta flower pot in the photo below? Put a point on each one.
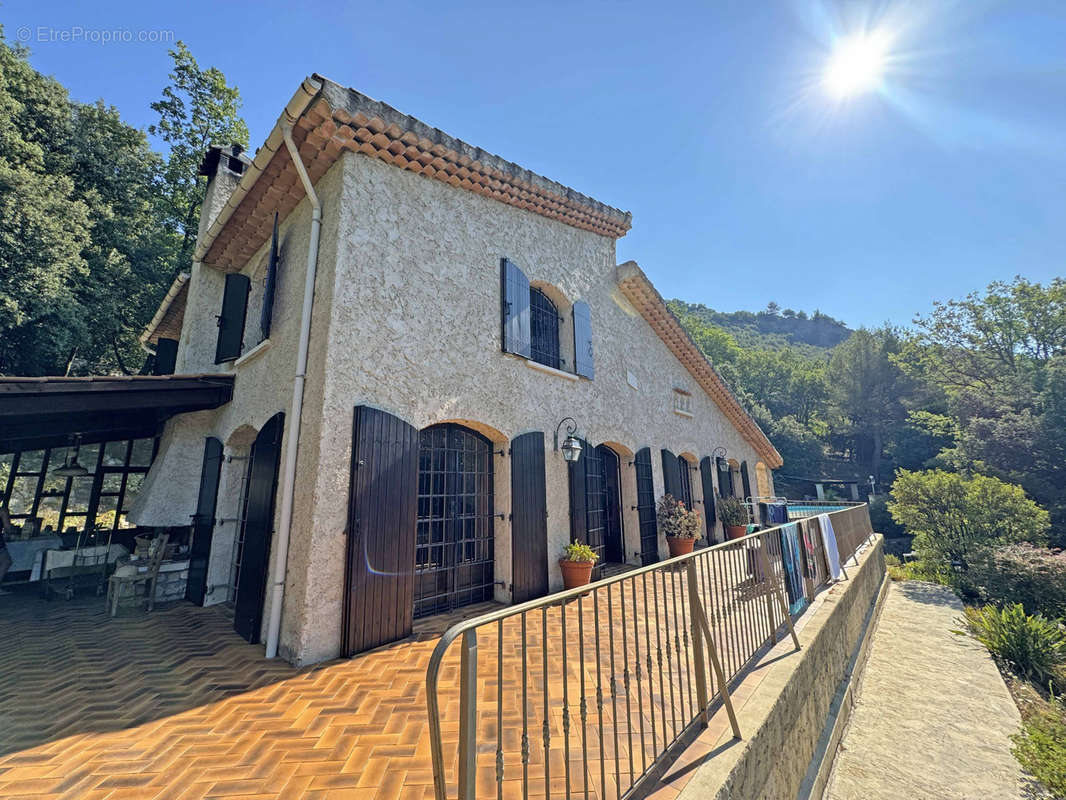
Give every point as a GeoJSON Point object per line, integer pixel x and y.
{"type": "Point", "coordinates": [736, 531]}
{"type": "Point", "coordinates": [575, 573]}
{"type": "Point", "coordinates": [680, 546]}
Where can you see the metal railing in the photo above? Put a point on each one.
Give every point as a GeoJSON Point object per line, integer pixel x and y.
{"type": "Point", "coordinates": [594, 691]}
{"type": "Point", "coordinates": [803, 509]}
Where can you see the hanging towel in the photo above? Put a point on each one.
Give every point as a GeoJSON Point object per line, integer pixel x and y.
{"type": "Point", "coordinates": [777, 513]}
{"type": "Point", "coordinates": [790, 559]}
{"type": "Point", "coordinates": [809, 568]}
{"type": "Point", "coordinates": [829, 543]}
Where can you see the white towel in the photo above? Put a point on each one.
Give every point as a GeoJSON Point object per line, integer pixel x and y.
{"type": "Point", "coordinates": [829, 543]}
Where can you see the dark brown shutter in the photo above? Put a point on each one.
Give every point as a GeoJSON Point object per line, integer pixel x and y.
{"type": "Point", "coordinates": [579, 521]}
{"type": "Point", "coordinates": [583, 364]}
{"type": "Point", "coordinates": [671, 475]}
{"type": "Point", "coordinates": [514, 291]}
{"type": "Point", "coordinates": [649, 525]}
{"type": "Point", "coordinates": [166, 357]}
{"type": "Point", "coordinates": [744, 480]}
{"type": "Point", "coordinates": [707, 481]}
{"type": "Point", "coordinates": [267, 313]}
{"type": "Point", "coordinates": [203, 521]}
{"type": "Point", "coordinates": [231, 319]}
{"type": "Point", "coordinates": [259, 498]}
{"type": "Point", "coordinates": [382, 519]}
{"type": "Point", "coordinates": [529, 518]}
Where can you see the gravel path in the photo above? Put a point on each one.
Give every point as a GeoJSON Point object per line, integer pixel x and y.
{"type": "Point", "coordinates": [933, 717]}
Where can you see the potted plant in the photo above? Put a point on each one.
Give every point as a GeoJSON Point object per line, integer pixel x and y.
{"type": "Point", "coordinates": [734, 517]}
{"type": "Point", "coordinates": [576, 564]}
{"type": "Point", "coordinates": [680, 524]}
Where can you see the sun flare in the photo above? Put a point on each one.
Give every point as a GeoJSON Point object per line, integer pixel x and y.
{"type": "Point", "coordinates": [856, 65]}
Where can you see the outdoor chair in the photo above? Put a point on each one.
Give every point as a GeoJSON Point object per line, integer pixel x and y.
{"type": "Point", "coordinates": [156, 553]}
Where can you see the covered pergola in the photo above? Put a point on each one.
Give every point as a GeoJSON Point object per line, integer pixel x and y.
{"type": "Point", "coordinates": [45, 412]}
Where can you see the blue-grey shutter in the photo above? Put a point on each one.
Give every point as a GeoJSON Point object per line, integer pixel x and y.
{"type": "Point", "coordinates": [166, 356]}
{"type": "Point", "coordinates": [709, 512]}
{"type": "Point", "coordinates": [579, 523]}
{"type": "Point", "coordinates": [744, 479]}
{"type": "Point", "coordinates": [267, 313]}
{"type": "Point", "coordinates": [231, 319]}
{"type": "Point", "coordinates": [583, 340]}
{"type": "Point", "coordinates": [514, 298]}
{"type": "Point", "coordinates": [529, 518]}
{"type": "Point", "coordinates": [671, 475]}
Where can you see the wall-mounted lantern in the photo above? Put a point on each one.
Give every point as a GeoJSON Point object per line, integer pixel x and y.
{"type": "Point", "coordinates": [571, 446]}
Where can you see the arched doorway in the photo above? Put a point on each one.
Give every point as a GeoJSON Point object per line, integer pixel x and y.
{"type": "Point", "coordinates": [604, 505]}
{"type": "Point", "coordinates": [454, 554]}
{"type": "Point", "coordinates": [253, 546]}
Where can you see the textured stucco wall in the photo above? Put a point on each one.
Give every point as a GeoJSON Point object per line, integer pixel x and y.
{"type": "Point", "coordinates": [407, 319]}
{"type": "Point", "coordinates": [262, 388]}
{"type": "Point", "coordinates": [416, 332]}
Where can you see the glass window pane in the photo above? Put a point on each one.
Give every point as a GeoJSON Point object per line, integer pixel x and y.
{"type": "Point", "coordinates": [115, 453]}
{"type": "Point", "coordinates": [87, 457]}
{"type": "Point", "coordinates": [105, 513]}
{"type": "Point", "coordinates": [141, 454]}
{"type": "Point", "coordinates": [133, 485]}
{"type": "Point", "coordinates": [30, 460]}
{"type": "Point", "coordinates": [112, 482]}
{"type": "Point", "coordinates": [22, 495]}
{"type": "Point", "coordinates": [73, 522]}
{"type": "Point", "coordinates": [124, 523]}
{"type": "Point", "coordinates": [48, 512]}
{"type": "Point", "coordinates": [80, 489]}
{"type": "Point", "coordinates": [5, 469]}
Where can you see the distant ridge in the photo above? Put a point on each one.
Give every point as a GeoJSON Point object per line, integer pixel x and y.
{"type": "Point", "coordinates": [772, 329]}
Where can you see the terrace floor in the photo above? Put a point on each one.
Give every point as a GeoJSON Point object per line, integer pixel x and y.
{"type": "Point", "coordinates": [174, 705]}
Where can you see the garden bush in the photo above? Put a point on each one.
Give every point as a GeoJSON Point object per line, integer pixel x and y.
{"type": "Point", "coordinates": [958, 519]}
{"type": "Point", "coordinates": [1026, 574]}
{"type": "Point", "coordinates": [1033, 645]}
{"type": "Point", "coordinates": [1041, 746]}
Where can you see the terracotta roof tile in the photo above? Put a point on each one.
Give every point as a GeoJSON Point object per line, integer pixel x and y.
{"type": "Point", "coordinates": [342, 119]}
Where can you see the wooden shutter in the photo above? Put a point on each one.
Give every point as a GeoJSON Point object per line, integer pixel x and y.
{"type": "Point", "coordinates": [671, 475]}
{"type": "Point", "coordinates": [583, 340]}
{"type": "Point", "coordinates": [166, 357]}
{"type": "Point", "coordinates": [649, 525]}
{"type": "Point", "coordinates": [707, 480]}
{"type": "Point", "coordinates": [514, 286]}
{"type": "Point", "coordinates": [231, 320]}
{"type": "Point", "coordinates": [267, 313]}
{"type": "Point", "coordinates": [579, 522]}
{"type": "Point", "coordinates": [744, 480]}
{"type": "Point", "coordinates": [529, 518]}
{"type": "Point", "coordinates": [260, 493]}
{"type": "Point", "coordinates": [203, 521]}
{"type": "Point", "coordinates": [379, 591]}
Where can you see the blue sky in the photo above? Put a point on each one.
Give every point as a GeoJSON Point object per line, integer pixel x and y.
{"type": "Point", "coordinates": [747, 181]}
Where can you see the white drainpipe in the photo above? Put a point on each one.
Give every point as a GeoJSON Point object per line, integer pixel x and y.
{"type": "Point", "coordinates": [288, 480]}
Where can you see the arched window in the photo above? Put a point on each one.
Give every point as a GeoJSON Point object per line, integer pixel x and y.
{"type": "Point", "coordinates": [544, 329]}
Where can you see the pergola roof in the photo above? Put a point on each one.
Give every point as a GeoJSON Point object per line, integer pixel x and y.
{"type": "Point", "coordinates": [44, 412]}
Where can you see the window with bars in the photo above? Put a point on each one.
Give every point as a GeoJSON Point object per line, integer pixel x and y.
{"type": "Point", "coordinates": [100, 499]}
{"type": "Point", "coordinates": [544, 329]}
{"type": "Point", "coordinates": [685, 486]}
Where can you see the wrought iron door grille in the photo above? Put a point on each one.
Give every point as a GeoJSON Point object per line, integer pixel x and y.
{"type": "Point", "coordinates": [544, 329]}
{"type": "Point", "coordinates": [686, 482]}
{"type": "Point", "coordinates": [595, 504]}
{"type": "Point", "coordinates": [649, 529]}
{"type": "Point", "coordinates": [454, 545]}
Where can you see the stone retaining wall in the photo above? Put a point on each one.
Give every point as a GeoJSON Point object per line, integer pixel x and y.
{"type": "Point", "coordinates": [784, 719]}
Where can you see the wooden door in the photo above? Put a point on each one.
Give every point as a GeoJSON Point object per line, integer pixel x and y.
{"type": "Point", "coordinates": [203, 521]}
{"type": "Point", "coordinates": [383, 497]}
{"type": "Point", "coordinates": [529, 518]}
{"type": "Point", "coordinates": [253, 555]}
{"type": "Point", "coordinates": [614, 549]}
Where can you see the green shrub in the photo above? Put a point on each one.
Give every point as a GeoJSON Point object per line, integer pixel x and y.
{"type": "Point", "coordinates": [575, 551]}
{"type": "Point", "coordinates": [1026, 574]}
{"type": "Point", "coordinates": [914, 571]}
{"type": "Point", "coordinates": [732, 511]}
{"type": "Point", "coordinates": [1034, 646]}
{"type": "Point", "coordinates": [1040, 747]}
{"type": "Point", "coordinates": [881, 519]}
{"type": "Point", "coordinates": [957, 519]}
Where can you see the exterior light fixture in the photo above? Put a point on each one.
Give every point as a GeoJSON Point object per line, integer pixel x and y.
{"type": "Point", "coordinates": [571, 446]}
{"type": "Point", "coordinates": [71, 468]}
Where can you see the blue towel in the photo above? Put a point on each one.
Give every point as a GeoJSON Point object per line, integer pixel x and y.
{"type": "Point", "coordinates": [777, 513]}
{"type": "Point", "coordinates": [790, 558]}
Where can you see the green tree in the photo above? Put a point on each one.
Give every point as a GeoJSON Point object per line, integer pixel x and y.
{"type": "Point", "coordinates": [198, 109]}
{"type": "Point", "coordinates": [957, 519]}
{"type": "Point", "coordinates": [44, 224]}
{"type": "Point", "coordinates": [867, 394]}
